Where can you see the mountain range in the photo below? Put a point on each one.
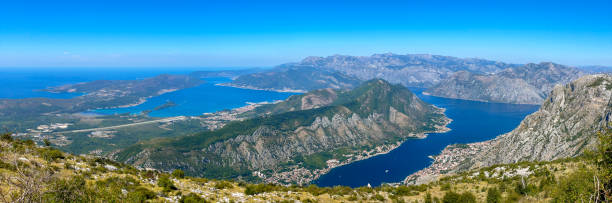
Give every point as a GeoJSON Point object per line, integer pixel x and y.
{"type": "Point", "coordinates": [445, 76]}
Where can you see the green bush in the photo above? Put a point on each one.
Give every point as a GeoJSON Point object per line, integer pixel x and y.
{"type": "Point", "coordinates": [69, 190]}
{"type": "Point", "coordinates": [51, 154]}
{"type": "Point", "coordinates": [575, 187]}
{"type": "Point", "coordinates": [192, 198]}
{"type": "Point", "coordinates": [378, 197]}
{"type": "Point", "coordinates": [178, 173]}
{"type": "Point", "coordinates": [428, 198]}
{"type": "Point", "coordinates": [140, 194]}
{"type": "Point", "coordinates": [165, 182]}
{"type": "Point", "coordinates": [493, 196]}
{"type": "Point", "coordinates": [6, 137]}
{"type": "Point", "coordinates": [223, 185]}
{"type": "Point", "coordinates": [260, 188]}
{"type": "Point", "coordinates": [453, 197]}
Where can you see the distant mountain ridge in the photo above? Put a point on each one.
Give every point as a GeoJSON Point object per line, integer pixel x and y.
{"type": "Point", "coordinates": [444, 76]}
{"type": "Point", "coordinates": [304, 135]}
{"type": "Point", "coordinates": [528, 84]}
{"type": "Point", "coordinates": [411, 70]}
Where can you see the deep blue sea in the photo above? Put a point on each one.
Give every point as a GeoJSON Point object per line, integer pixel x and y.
{"type": "Point", "coordinates": [472, 122]}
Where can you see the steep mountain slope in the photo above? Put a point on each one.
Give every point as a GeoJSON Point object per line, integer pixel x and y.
{"type": "Point", "coordinates": [295, 78]}
{"type": "Point", "coordinates": [487, 88]}
{"type": "Point", "coordinates": [528, 84]}
{"type": "Point", "coordinates": [295, 142]}
{"type": "Point", "coordinates": [419, 70]}
{"type": "Point", "coordinates": [565, 125]}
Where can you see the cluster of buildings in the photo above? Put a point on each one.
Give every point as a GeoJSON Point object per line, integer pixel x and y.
{"type": "Point", "coordinates": [446, 161]}
{"type": "Point", "coordinates": [50, 128]}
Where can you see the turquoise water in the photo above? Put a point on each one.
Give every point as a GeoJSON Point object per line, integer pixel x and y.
{"type": "Point", "coordinates": [194, 101]}
{"type": "Point", "coordinates": [472, 122]}
{"type": "Point", "coordinates": [25, 83]}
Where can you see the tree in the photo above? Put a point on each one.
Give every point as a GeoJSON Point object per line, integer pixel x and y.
{"type": "Point", "coordinates": [493, 195]}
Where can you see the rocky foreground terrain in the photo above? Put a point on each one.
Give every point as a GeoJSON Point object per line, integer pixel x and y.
{"type": "Point", "coordinates": [297, 140]}
{"type": "Point", "coordinates": [565, 126]}
{"type": "Point", "coordinates": [31, 173]}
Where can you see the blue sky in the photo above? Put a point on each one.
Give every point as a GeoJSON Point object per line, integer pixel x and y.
{"type": "Point", "coordinates": [266, 33]}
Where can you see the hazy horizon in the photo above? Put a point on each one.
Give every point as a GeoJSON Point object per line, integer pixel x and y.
{"type": "Point", "coordinates": [269, 33]}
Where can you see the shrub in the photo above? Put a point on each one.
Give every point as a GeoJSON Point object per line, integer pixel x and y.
{"type": "Point", "coordinates": [452, 197]}
{"type": "Point", "coordinates": [467, 197]}
{"type": "Point", "coordinates": [223, 185]}
{"type": "Point", "coordinates": [493, 196]}
{"type": "Point", "coordinates": [259, 188]}
{"type": "Point", "coordinates": [178, 173]}
{"type": "Point", "coordinates": [68, 190]}
{"type": "Point", "coordinates": [575, 187]}
{"type": "Point", "coordinates": [191, 198]}
{"type": "Point", "coordinates": [51, 154]}
{"type": "Point", "coordinates": [165, 182]}
{"type": "Point", "coordinates": [314, 190]}
{"type": "Point", "coordinates": [428, 198]}
{"type": "Point", "coordinates": [6, 137]}
{"type": "Point", "coordinates": [140, 194]}
{"type": "Point", "coordinates": [378, 197]}
{"type": "Point", "coordinates": [445, 186]}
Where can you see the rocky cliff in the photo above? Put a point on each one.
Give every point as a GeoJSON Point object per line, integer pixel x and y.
{"type": "Point", "coordinates": [565, 125]}
{"type": "Point", "coordinates": [528, 84]}
{"type": "Point", "coordinates": [297, 140]}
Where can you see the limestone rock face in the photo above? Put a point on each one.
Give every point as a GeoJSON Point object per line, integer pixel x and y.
{"type": "Point", "coordinates": [528, 84]}
{"type": "Point", "coordinates": [565, 125]}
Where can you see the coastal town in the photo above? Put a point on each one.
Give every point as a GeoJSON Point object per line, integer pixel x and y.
{"type": "Point", "coordinates": [451, 157]}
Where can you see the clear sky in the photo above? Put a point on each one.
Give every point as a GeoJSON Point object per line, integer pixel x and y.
{"type": "Point", "coordinates": [175, 33]}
